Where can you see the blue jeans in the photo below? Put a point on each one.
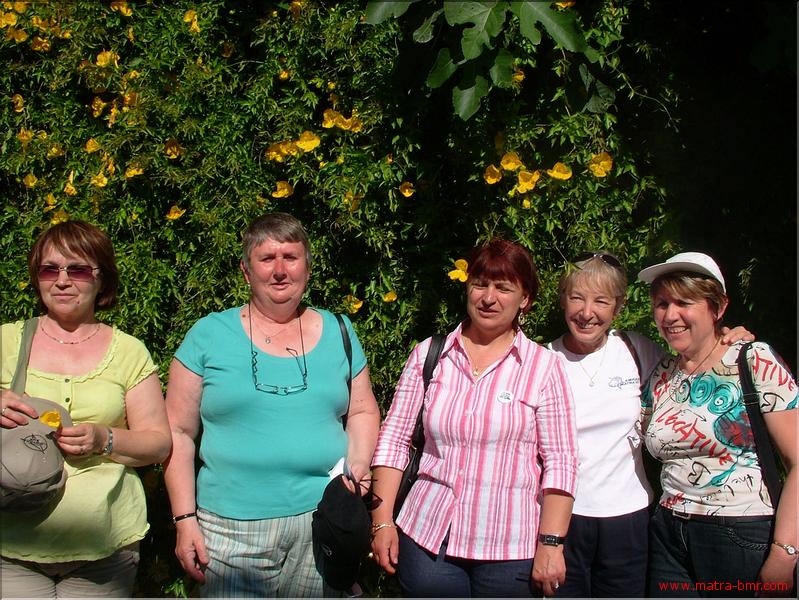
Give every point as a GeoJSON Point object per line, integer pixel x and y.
{"type": "Point", "coordinates": [693, 559]}
{"type": "Point", "coordinates": [606, 556]}
{"type": "Point", "coordinates": [423, 574]}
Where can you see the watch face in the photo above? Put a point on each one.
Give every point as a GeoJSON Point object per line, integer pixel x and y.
{"type": "Point", "coordinates": [790, 550]}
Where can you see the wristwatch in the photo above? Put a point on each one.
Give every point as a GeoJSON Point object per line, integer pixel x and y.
{"type": "Point", "coordinates": [553, 540]}
{"type": "Point", "coordinates": [791, 550]}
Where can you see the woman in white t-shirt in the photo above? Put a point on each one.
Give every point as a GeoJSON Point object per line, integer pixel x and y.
{"type": "Point", "coordinates": [606, 546]}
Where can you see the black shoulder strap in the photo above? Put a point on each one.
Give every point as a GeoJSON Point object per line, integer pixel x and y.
{"type": "Point", "coordinates": [430, 362]}
{"type": "Point", "coordinates": [763, 446]}
{"type": "Point", "coordinates": [631, 347]}
{"type": "Point", "coordinates": [345, 338]}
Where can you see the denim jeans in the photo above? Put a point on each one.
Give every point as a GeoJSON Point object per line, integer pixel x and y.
{"type": "Point", "coordinates": [423, 574]}
{"type": "Point", "coordinates": [692, 559]}
{"type": "Point", "coordinates": [606, 556]}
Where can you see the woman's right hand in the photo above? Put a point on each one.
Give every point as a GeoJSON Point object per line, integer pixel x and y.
{"type": "Point", "coordinates": [14, 411]}
{"type": "Point", "coordinates": [385, 547]}
{"type": "Point", "coordinates": [190, 549]}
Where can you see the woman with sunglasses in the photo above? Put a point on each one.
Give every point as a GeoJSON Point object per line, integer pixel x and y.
{"type": "Point", "coordinates": [263, 389]}
{"type": "Point", "coordinates": [606, 547]}
{"type": "Point", "coordinates": [716, 530]}
{"type": "Point", "coordinates": [86, 545]}
{"type": "Point", "coordinates": [489, 511]}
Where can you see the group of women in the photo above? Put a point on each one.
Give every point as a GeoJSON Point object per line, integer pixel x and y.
{"type": "Point", "coordinates": [531, 477]}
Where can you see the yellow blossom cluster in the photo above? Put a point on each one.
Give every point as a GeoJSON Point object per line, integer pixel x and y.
{"type": "Point", "coordinates": [175, 212]}
{"type": "Point", "coordinates": [460, 272]}
{"type": "Point", "coordinates": [283, 189]}
{"type": "Point", "coordinates": [352, 304]}
{"type": "Point", "coordinates": [122, 8]}
{"type": "Point", "coordinates": [190, 17]}
{"type": "Point", "coordinates": [279, 151]}
{"type": "Point", "coordinates": [333, 118]}
{"type": "Point", "coordinates": [107, 58]}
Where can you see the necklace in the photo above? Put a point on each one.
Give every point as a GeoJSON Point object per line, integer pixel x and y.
{"type": "Point", "coordinates": [678, 374]}
{"type": "Point", "coordinates": [268, 337]}
{"type": "Point", "coordinates": [475, 369]}
{"type": "Point", "coordinates": [69, 342]}
{"type": "Point", "coordinates": [591, 378]}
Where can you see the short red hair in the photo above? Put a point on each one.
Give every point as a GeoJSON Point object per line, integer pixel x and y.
{"type": "Point", "coordinates": [500, 259]}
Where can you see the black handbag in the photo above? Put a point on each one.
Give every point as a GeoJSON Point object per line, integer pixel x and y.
{"type": "Point", "coordinates": [411, 472]}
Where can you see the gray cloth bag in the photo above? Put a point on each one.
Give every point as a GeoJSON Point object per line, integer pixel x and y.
{"type": "Point", "coordinates": [32, 474]}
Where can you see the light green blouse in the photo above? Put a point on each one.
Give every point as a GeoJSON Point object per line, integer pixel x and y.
{"type": "Point", "coordinates": [103, 507]}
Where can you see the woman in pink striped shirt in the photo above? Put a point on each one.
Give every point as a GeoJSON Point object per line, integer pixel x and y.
{"type": "Point", "coordinates": [490, 509]}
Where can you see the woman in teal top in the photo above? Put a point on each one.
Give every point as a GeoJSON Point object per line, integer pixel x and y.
{"type": "Point", "coordinates": [267, 382]}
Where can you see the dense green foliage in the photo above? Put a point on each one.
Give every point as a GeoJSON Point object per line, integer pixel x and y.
{"type": "Point", "coordinates": [400, 141]}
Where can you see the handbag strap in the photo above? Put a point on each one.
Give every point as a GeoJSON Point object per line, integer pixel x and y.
{"type": "Point", "coordinates": [345, 339]}
{"type": "Point", "coordinates": [763, 446]}
{"type": "Point", "coordinates": [430, 362]}
{"type": "Point", "coordinates": [21, 372]}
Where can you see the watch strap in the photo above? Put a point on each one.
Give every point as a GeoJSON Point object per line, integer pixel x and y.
{"type": "Point", "coordinates": [549, 539]}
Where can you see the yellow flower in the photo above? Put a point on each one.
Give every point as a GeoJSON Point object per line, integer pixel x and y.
{"type": "Point", "coordinates": [25, 136]}
{"type": "Point", "coordinates": [133, 170]}
{"type": "Point", "coordinates": [134, 216]}
{"type": "Point", "coordinates": [390, 296]}
{"type": "Point", "coordinates": [406, 189]}
{"type": "Point", "coordinates": [59, 216]}
{"type": "Point", "coordinates": [55, 151]}
{"type": "Point", "coordinates": [307, 141]}
{"type": "Point", "coordinates": [8, 19]}
{"type": "Point", "coordinates": [492, 175]}
{"type": "Point", "coordinates": [40, 44]}
{"type": "Point", "coordinates": [99, 180]}
{"type": "Point", "coordinates": [22, 285]}
{"type": "Point", "coordinates": [91, 146]}
{"type": "Point", "coordinates": [69, 189]}
{"type": "Point", "coordinates": [21, 7]}
{"type": "Point", "coordinates": [518, 75]}
{"type": "Point", "coordinates": [30, 180]}
{"type": "Point", "coordinates": [566, 4]}
{"type": "Point", "coordinates": [275, 152]}
{"type": "Point", "coordinates": [41, 134]}
{"type": "Point", "coordinates": [107, 58]}
{"type": "Point", "coordinates": [560, 171]}
{"type": "Point", "coordinates": [122, 8]}
{"type": "Point", "coordinates": [526, 203]}
{"type": "Point", "coordinates": [331, 85]}
{"type": "Point", "coordinates": [510, 161]}
{"type": "Point", "coordinates": [97, 106]}
{"type": "Point", "coordinates": [130, 99]}
{"type": "Point", "coordinates": [18, 35]}
{"type": "Point", "coordinates": [172, 149]}
{"type": "Point", "coordinates": [19, 102]}
{"type": "Point", "coordinates": [283, 189]}
{"type": "Point", "coordinates": [353, 304]}
{"type": "Point", "coordinates": [284, 75]}
{"type": "Point", "coordinates": [175, 212]}
{"type": "Point", "coordinates": [600, 164]}
{"type": "Point", "coordinates": [329, 118]}
{"type": "Point", "coordinates": [108, 163]}
{"type": "Point", "coordinates": [460, 272]}
{"type": "Point", "coordinates": [527, 181]}
{"type": "Point", "coordinates": [190, 16]}
{"type": "Point", "coordinates": [131, 37]}
{"type": "Point", "coordinates": [50, 200]}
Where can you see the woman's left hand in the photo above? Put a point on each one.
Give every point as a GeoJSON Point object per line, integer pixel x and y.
{"type": "Point", "coordinates": [777, 572]}
{"type": "Point", "coordinates": [549, 568]}
{"type": "Point", "coordinates": [740, 333]}
{"type": "Point", "coordinates": [82, 440]}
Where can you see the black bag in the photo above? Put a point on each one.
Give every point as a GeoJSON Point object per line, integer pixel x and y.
{"type": "Point", "coordinates": [417, 439]}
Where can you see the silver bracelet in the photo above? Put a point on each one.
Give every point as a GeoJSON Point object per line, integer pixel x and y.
{"type": "Point", "coordinates": [109, 447]}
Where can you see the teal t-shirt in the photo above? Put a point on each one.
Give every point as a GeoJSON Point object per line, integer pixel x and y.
{"type": "Point", "coordinates": [265, 455]}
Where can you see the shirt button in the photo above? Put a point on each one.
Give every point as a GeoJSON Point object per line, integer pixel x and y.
{"type": "Point", "coordinates": [66, 399]}
{"type": "Point", "coordinates": [66, 380]}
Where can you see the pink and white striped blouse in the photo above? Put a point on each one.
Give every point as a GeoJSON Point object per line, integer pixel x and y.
{"type": "Point", "coordinates": [492, 444]}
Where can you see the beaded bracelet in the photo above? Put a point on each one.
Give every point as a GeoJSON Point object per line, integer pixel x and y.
{"type": "Point", "coordinates": [109, 446]}
{"type": "Point", "coordinates": [181, 517]}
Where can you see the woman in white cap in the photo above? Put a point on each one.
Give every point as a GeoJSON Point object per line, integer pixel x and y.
{"type": "Point", "coordinates": [715, 527]}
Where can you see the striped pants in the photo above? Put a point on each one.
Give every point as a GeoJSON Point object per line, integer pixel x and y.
{"type": "Point", "coordinates": [268, 558]}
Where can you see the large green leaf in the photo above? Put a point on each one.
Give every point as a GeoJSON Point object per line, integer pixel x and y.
{"type": "Point", "coordinates": [502, 69]}
{"type": "Point", "coordinates": [466, 96]}
{"type": "Point", "coordinates": [442, 69]}
{"type": "Point", "coordinates": [379, 11]}
{"type": "Point", "coordinates": [424, 33]}
{"type": "Point", "coordinates": [560, 25]}
{"type": "Point", "coordinates": [486, 20]}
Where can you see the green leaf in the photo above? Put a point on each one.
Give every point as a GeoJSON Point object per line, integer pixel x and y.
{"type": "Point", "coordinates": [486, 20]}
{"type": "Point", "coordinates": [466, 100]}
{"type": "Point", "coordinates": [560, 25]}
{"type": "Point", "coordinates": [602, 100]}
{"type": "Point", "coordinates": [502, 69]}
{"type": "Point", "coordinates": [424, 33]}
{"type": "Point", "coordinates": [442, 69]}
{"type": "Point", "coordinates": [377, 12]}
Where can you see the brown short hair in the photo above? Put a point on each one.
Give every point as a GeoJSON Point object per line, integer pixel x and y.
{"type": "Point", "coordinates": [500, 259]}
{"type": "Point", "coordinates": [87, 241]}
{"type": "Point", "coordinates": [692, 286]}
{"type": "Point", "coordinates": [278, 226]}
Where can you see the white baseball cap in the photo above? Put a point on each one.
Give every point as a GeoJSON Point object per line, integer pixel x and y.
{"type": "Point", "coordinates": [692, 262]}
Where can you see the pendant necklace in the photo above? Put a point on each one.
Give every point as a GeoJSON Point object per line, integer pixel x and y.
{"type": "Point", "coordinates": [678, 374]}
{"type": "Point", "coordinates": [268, 337]}
{"type": "Point", "coordinates": [591, 378]}
{"type": "Point", "coordinates": [69, 342]}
